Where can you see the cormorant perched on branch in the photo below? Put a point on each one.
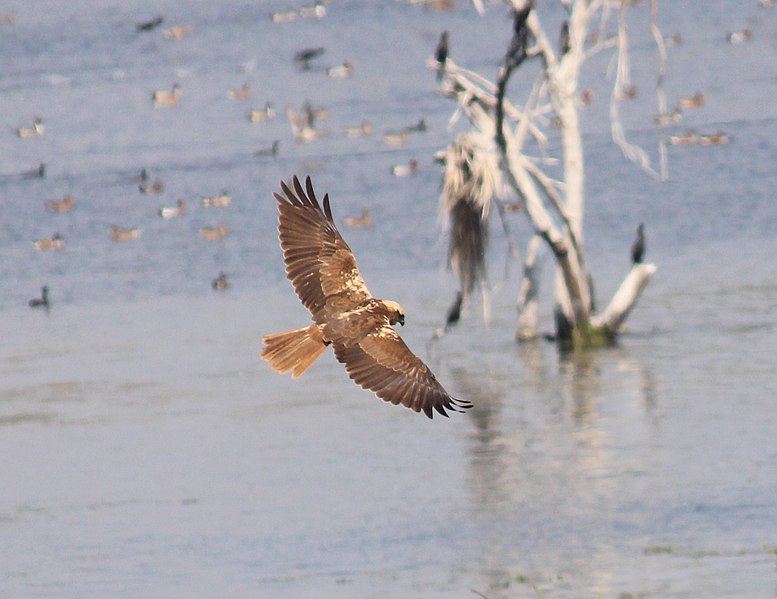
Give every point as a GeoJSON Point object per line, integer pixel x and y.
{"type": "Point", "coordinates": [563, 38]}
{"type": "Point", "coordinates": [441, 54]}
{"type": "Point", "coordinates": [638, 247]}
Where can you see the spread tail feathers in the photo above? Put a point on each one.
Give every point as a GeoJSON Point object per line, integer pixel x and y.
{"type": "Point", "coordinates": [293, 351]}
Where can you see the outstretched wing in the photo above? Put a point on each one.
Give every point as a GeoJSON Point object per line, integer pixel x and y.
{"type": "Point", "coordinates": [382, 363]}
{"type": "Point", "coordinates": [319, 263]}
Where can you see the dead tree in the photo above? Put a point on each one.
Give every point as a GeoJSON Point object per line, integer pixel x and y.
{"type": "Point", "coordinates": [555, 208]}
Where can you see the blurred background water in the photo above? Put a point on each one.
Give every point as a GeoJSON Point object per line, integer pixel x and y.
{"type": "Point", "coordinates": [150, 453]}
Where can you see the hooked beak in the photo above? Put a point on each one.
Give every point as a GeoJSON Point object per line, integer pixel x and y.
{"type": "Point", "coordinates": [402, 320]}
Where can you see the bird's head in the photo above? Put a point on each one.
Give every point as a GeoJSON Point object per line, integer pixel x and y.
{"type": "Point", "coordinates": [395, 312]}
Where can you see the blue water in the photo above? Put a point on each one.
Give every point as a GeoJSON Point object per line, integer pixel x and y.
{"type": "Point", "coordinates": [150, 453]}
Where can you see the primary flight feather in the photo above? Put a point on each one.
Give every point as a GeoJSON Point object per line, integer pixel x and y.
{"type": "Point", "coordinates": [346, 316]}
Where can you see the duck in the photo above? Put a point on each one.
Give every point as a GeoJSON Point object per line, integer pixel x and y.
{"type": "Point", "coordinates": [694, 101]}
{"type": "Point", "coordinates": [220, 282]}
{"type": "Point", "coordinates": [419, 127]}
{"type": "Point", "coordinates": [243, 93]}
{"type": "Point", "coordinates": [285, 16]}
{"type": "Point", "coordinates": [35, 173]}
{"type": "Point", "coordinates": [630, 92]}
{"type": "Point", "coordinates": [739, 37]}
{"type": "Point", "coordinates": [272, 151]}
{"type": "Point", "coordinates": [170, 211]}
{"type": "Point", "coordinates": [669, 119]}
{"type": "Point", "coordinates": [686, 139]}
{"type": "Point", "coordinates": [356, 222]}
{"type": "Point", "coordinates": [54, 243]}
{"type": "Point", "coordinates": [62, 205]}
{"type": "Point", "coordinates": [396, 139]}
{"type": "Point", "coordinates": [303, 57]}
{"type": "Point", "coordinates": [215, 232]}
{"type": "Point", "coordinates": [150, 24]}
{"type": "Point", "coordinates": [148, 186]}
{"type": "Point", "coordinates": [342, 71]}
{"type": "Point", "coordinates": [673, 41]}
{"type": "Point", "coordinates": [220, 201]}
{"type": "Point", "coordinates": [710, 139]}
{"type": "Point", "coordinates": [318, 10]}
{"type": "Point", "coordinates": [365, 128]}
{"type": "Point", "coordinates": [264, 114]}
{"type": "Point", "coordinates": [166, 99]}
{"type": "Point", "coordinates": [403, 170]}
{"type": "Point", "coordinates": [35, 131]}
{"type": "Point", "coordinates": [118, 234]}
{"type": "Point", "coordinates": [42, 301]}
{"type": "Point", "coordinates": [303, 126]}
{"type": "Point", "coordinates": [178, 32]}
{"type": "Point", "coordinates": [638, 247]}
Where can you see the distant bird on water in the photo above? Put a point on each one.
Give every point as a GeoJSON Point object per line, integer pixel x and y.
{"type": "Point", "coordinates": [62, 205]}
{"type": "Point", "coordinates": [35, 131]}
{"type": "Point", "coordinates": [54, 243]}
{"type": "Point", "coordinates": [42, 301]}
{"type": "Point", "coordinates": [303, 57]}
{"type": "Point", "coordinates": [346, 316]}
{"type": "Point", "coordinates": [358, 222]}
{"type": "Point", "coordinates": [441, 54]}
{"type": "Point", "coordinates": [150, 24]}
{"type": "Point", "coordinates": [638, 247]}
{"type": "Point", "coordinates": [220, 282]}
{"type": "Point", "coordinates": [166, 99]}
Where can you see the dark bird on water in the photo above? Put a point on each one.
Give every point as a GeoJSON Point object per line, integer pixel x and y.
{"type": "Point", "coordinates": [346, 316]}
{"type": "Point", "coordinates": [42, 301]}
{"type": "Point", "coordinates": [150, 24]}
{"type": "Point", "coordinates": [441, 54]}
{"type": "Point", "coordinates": [303, 57]}
{"type": "Point", "coordinates": [220, 282]}
{"type": "Point", "coordinates": [638, 247]}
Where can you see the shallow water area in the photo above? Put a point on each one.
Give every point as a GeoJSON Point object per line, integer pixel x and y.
{"type": "Point", "coordinates": [148, 450]}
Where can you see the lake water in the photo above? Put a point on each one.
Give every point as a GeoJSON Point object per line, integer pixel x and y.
{"type": "Point", "coordinates": [148, 452]}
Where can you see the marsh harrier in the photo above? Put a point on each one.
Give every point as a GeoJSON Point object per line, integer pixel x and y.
{"type": "Point", "coordinates": [346, 316]}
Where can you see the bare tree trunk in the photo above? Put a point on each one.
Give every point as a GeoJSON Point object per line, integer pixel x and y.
{"type": "Point", "coordinates": [554, 208]}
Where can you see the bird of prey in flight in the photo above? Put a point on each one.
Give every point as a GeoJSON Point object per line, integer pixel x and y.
{"type": "Point", "coordinates": [346, 316]}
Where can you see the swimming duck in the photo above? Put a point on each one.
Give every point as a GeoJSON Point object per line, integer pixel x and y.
{"type": "Point", "coordinates": [178, 32]}
{"type": "Point", "coordinates": [303, 57]}
{"type": "Point", "coordinates": [739, 37]}
{"type": "Point", "coordinates": [220, 201]}
{"type": "Point", "coordinates": [42, 301]}
{"type": "Point", "coordinates": [62, 205]}
{"type": "Point", "coordinates": [396, 139]}
{"type": "Point", "coordinates": [302, 125]}
{"type": "Point", "coordinates": [669, 119]}
{"type": "Point", "coordinates": [355, 222]}
{"type": "Point", "coordinates": [148, 186]}
{"type": "Point", "coordinates": [118, 234]}
{"type": "Point", "coordinates": [265, 114]}
{"type": "Point", "coordinates": [150, 24]}
{"type": "Point", "coordinates": [686, 139]}
{"type": "Point", "coordinates": [240, 94]}
{"type": "Point", "coordinates": [342, 71]}
{"type": "Point", "coordinates": [166, 99]}
{"type": "Point", "coordinates": [694, 101]}
{"type": "Point", "coordinates": [170, 211]}
{"type": "Point", "coordinates": [285, 16]}
{"type": "Point", "coordinates": [35, 131]}
{"type": "Point", "coordinates": [318, 10]}
{"type": "Point", "coordinates": [35, 173]}
{"type": "Point", "coordinates": [403, 170]}
{"type": "Point", "coordinates": [710, 139]}
{"type": "Point", "coordinates": [215, 232]}
{"type": "Point", "coordinates": [220, 282]}
{"type": "Point", "coordinates": [54, 243]}
{"type": "Point", "coordinates": [272, 151]}
{"type": "Point", "coordinates": [419, 127]}
{"type": "Point", "coordinates": [365, 128]}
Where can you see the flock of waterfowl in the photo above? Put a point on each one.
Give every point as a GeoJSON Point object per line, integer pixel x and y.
{"type": "Point", "coordinates": [303, 122]}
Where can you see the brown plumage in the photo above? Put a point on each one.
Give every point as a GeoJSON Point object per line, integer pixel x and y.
{"type": "Point", "coordinates": [323, 270]}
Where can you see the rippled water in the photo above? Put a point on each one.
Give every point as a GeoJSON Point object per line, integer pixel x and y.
{"type": "Point", "coordinates": [150, 453]}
